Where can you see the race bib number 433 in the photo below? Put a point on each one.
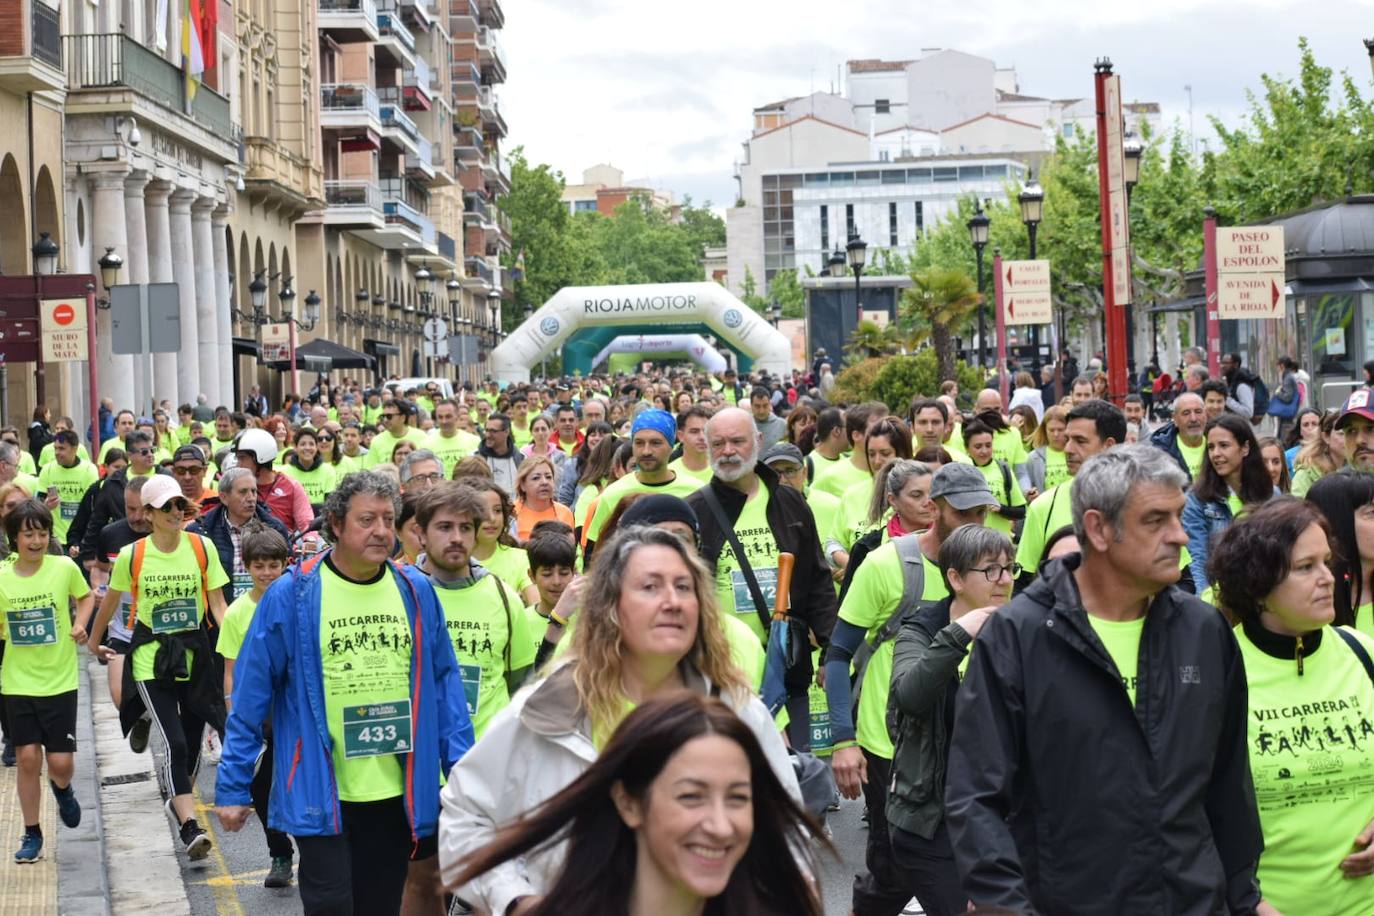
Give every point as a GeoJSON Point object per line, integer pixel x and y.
{"type": "Point", "coordinates": [33, 626]}
{"type": "Point", "coordinates": [377, 728]}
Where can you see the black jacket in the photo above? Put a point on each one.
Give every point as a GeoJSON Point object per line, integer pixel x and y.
{"type": "Point", "coordinates": [215, 526]}
{"type": "Point", "coordinates": [107, 505]}
{"type": "Point", "coordinates": [1166, 440]}
{"type": "Point", "coordinates": [794, 530]}
{"type": "Point", "coordinates": [1064, 799]}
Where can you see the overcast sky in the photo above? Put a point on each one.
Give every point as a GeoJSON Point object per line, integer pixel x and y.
{"type": "Point", "coordinates": [664, 90]}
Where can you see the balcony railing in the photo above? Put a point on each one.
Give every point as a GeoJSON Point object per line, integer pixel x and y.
{"type": "Point", "coordinates": [400, 213]}
{"type": "Point", "coordinates": [424, 161]}
{"type": "Point", "coordinates": [419, 76]}
{"type": "Point", "coordinates": [349, 97]}
{"type": "Point", "coordinates": [104, 61]}
{"type": "Point", "coordinates": [465, 71]}
{"type": "Point", "coordinates": [478, 267]}
{"type": "Point", "coordinates": [46, 34]}
{"type": "Point", "coordinates": [355, 193]}
{"type": "Point", "coordinates": [448, 248]}
{"type": "Point", "coordinates": [390, 25]}
{"type": "Point", "coordinates": [393, 116]}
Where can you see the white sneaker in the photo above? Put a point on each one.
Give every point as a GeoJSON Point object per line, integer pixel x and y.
{"type": "Point", "coordinates": [212, 748]}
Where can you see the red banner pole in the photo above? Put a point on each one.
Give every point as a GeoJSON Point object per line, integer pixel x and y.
{"type": "Point", "coordinates": [1209, 264]}
{"type": "Point", "coordinates": [1114, 315]}
{"type": "Point", "coordinates": [91, 378]}
{"type": "Point", "coordinates": [1000, 324]}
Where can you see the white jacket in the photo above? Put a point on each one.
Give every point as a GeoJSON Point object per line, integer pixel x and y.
{"type": "Point", "coordinates": [533, 749]}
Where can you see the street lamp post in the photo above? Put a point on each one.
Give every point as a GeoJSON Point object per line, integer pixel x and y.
{"type": "Point", "coordinates": [1131, 151]}
{"type": "Point", "coordinates": [978, 235]}
{"type": "Point", "coordinates": [424, 285]}
{"type": "Point", "coordinates": [856, 253]}
{"type": "Point", "coordinates": [45, 252]}
{"type": "Point", "coordinates": [1032, 199]}
{"type": "Point", "coordinates": [494, 306]}
{"type": "Point", "coordinates": [1369, 46]}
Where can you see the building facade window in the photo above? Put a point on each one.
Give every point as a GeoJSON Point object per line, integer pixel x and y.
{"type": "Point", "coordinates": [892, 224]}
{"type": "Point", "coordinates": [920, 219]}
{"type": "Point", "coordinates": [882, 106]}
{"type": "Point", "coordinates": [849, 221]}
{"type": "Point", "coordinates": [825, 227]}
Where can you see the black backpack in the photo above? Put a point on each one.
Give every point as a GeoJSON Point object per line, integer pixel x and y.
{"type": "Point", "coordinates": [1260, 390]}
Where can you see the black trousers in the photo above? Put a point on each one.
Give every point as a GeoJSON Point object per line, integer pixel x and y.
{"type": "Point", "coordinates": [928, 866]}
{"type": "Point", "coordinates": [883, 891]}
{"type": "Point", "coordinates": [278, 843]}
{"type": "Point", "coordinates": [362, 870]}
{"type": "Point", "coordinates": [181, 729]}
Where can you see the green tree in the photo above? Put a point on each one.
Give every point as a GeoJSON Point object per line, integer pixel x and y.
{"type": "Point", "coordinates": [868, 340]}
{"type": "Point", "coordinates": [749, 292]}
{"type": "Point", "coordinates": [539, 227]}
{"type": "Point", "coordinates": [938, 301]}
{"type": "Point", "coordinates": [701, 226]}
{"type": "Point", "coordinates": [787, 292]}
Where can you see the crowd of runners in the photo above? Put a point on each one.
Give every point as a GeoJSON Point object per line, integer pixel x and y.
{"type": "Point", "coordinates": [620, 644]}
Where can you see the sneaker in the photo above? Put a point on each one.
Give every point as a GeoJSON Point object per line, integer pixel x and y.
{"type": "Point", "coordinates": [68, 808]}
{"type": "Point", "coordinates": [7, 757]}
{"type": "Point", "coordinates": [195, 840]}
{"type": "Point", "coordinates": [30, 850]}
{"type": "Point", "coordinates": [212, 747]}
{"type": "Point", "coordinates": [280, 873]}
{"type": "Point", "coordinates": [138, 735]}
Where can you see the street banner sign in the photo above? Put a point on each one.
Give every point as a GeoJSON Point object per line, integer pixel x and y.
{"type": "Point", "coordinates": [276, 342]}
{"type": "Point", "coordinates": [64, 329]}
{"type": "Point", "coordinates": [1250, 272]}
{"type": "Point", "coordinates": [1025, 292]}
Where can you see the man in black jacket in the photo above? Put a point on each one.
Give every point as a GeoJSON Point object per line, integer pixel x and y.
{"type": "Point", "coordinates": [108, 504]}
{"type": "Point", "coordinates": [223, 525]}
{"type": "Point", "coordinates": [1098, 763]}
{"type": "Point", "coordinates": [749, 492]}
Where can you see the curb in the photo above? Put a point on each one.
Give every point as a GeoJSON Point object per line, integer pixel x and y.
{"type": "Point", "coordinates": [82, 879]}
{"type": "Point", "coordinates": [142, 867]}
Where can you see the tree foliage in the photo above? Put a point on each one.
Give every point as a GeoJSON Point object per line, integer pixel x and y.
{"type": "Point", "coordinates": [938, 301]}
{"type": "Point", "coordinates": [896, 381]}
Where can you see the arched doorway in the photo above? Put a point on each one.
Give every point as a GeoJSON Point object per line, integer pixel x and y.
{"type": "Point", "coordinates": [14, 228]}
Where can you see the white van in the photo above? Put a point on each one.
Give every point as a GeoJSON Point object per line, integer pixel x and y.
{"type": "Point", "coordinates": [405, 384]}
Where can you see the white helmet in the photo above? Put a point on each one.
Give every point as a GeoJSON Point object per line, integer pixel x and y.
{"type": "Point", "coordinates": [261, 443]}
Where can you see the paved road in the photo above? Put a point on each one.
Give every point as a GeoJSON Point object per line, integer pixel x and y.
{"type": "Point", "coordinates": [229, 882]}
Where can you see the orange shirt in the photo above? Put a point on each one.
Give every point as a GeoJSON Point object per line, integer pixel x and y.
{"type": "Point", "coordinates": [526, 518]}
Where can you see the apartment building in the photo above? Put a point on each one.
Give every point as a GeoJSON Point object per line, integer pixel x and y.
{"type": "Point", "coordinates": [603, 188]}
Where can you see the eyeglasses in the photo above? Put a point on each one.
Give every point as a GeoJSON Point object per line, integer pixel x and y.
{"type": "Point", "coordinates": [140, 451]}
{"type": "Point", "coordinates": [326, 438]}
{"type": "Point", "coordinates": [174, 505]}
{"type": "Point", "coordinates": [390, 415]}
{"type": "Point", "coordinates": [188, 470]}
{"type": "Point", "coordinates": [430, 478]}
{"type": "Point", "coordinates": [995, 572]}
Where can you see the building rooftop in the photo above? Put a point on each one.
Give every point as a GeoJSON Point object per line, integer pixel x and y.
{"type": "Point", "coordinates": [995, 116]}
{"type": "Point", "coordinates": [807, 117]}
{"type": "Point", "coordinates": [874, 65]}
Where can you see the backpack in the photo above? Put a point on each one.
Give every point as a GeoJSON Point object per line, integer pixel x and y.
{"type": "Point", "coordinates": [1261, 391]}
{"type": "Point", "coordinates": [913, 585]}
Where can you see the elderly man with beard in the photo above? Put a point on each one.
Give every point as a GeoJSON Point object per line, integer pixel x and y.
{"type": "Point", "coordinates": [1182, 437]}
{"type": "Point", "coordinates": [747, 518]}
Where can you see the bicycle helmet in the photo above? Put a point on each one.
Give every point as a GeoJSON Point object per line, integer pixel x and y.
{"type": "Point", "coordinates": [261, 443]}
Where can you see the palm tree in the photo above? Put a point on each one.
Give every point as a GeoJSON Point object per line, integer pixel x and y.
{"type": "Point", "coordinates": [869, 339]}
{"type": "Point", "coordinates": [938, 301]}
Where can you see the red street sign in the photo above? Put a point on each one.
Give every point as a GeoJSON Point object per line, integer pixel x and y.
{"type": "Point", "coordinates": [64, 314]}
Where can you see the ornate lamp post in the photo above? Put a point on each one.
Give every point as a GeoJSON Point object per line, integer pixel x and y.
{"type": "Point", "coordinates": [978, 235]}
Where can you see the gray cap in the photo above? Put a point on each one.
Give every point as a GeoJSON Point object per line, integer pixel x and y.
{"type": "Point", "coordinates": [782, 451]}
{"type": "Point", "coordinates": [963, 486]}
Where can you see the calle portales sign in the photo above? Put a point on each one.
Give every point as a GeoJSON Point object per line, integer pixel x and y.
{"type": "Point", "coordinates": [673, 304]}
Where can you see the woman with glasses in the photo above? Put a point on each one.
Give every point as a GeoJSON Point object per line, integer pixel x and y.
{"type": "Point", "coordinates": [308, 468]}
{"type": "Point", "coordinates": [928, 662]}
{"type": "Point", "coordinates": [174, 579]}
{"type": "Point", "coordinates": [331, 451]}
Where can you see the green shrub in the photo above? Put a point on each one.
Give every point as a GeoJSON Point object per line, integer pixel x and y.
{"type": "Point", "coordinates": [896, 380]}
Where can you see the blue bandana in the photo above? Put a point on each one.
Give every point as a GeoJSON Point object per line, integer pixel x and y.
{"type": "Point", "coordinates": [660, 421]}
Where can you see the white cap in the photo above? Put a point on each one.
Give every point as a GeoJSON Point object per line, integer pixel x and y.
{"type": "Point", "coordinates": [159, 489]}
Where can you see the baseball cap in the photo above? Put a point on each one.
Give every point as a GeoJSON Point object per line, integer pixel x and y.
{"type": "Point", "coordinates": [159, 490]}
{"type": "Point", "coordinates": [1357, 405]}
{"type": "Point", "coordinates": [188, 453]}
{"type": "Point", "coordinates": [963, 487]}
{"type": "Point", "coordinates": [782, 451]}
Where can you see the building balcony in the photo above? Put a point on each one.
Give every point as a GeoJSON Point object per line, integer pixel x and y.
{"type": "Point", "coordinates": [490, 57]}
{"type": "Point", "coordinates": [30, 47]}
{"type": "Point", "coordinates": [495, 172]}
{"type": "Point", "coordinates": [489, 108]}
{"type": "Point", "coordinates": [491, 14]}
{"type": "Point", "coordinates": [401, 217]}
{"type": "Point", "coordinates": [463, 16]}
{"type": "Point", "coordinates": [417, 86]}
{"type": "Point", "coordinates": [397, 125]}
{"type": "Point", "coordinates": [348, 21]}
{"type": "Point", "coordinates": [277, 176]}
{"type": "Point", "coordinates": [465, 73]}
{"type": "Point", "coordinates": [350, 107]}
{"type": "Point", "coordinates": [354, 204]}
{"type": "Point", "coordinates": [421, 164]}
{"type": "Point", "coordinates": [112, 73]}
{"type": "Point", "coordinates": [395, 40]}
{"type": "Point", "coordinates": [448, 249]}
{"type": "Point", "coordinates": [478, 275]}
{"type": "Point", "coordinates": [416, 14]}
{"type": "Point", "coordinates": [467, 143]}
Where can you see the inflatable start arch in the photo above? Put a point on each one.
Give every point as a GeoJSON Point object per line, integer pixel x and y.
{"type": "Point", "coordinates": [666, 307]}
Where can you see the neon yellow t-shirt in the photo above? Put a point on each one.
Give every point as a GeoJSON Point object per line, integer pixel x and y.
{"type": "Point", "coordinates": [512, 565]}
{"type": "Point", "coordinates": [997, 482]}
{"type": "Point", "coordinates": [1312, 761]}
{"type": "Point", "coordinates": [873, 596]}
{"type": "Point", "coordinates": [317, 483]}
{"type": "Point", "coordinates": [1121, 639]}
{"type": "Point", "coordinates": [169, 591]}
{"type": "Point", "coordinates": [1193, 457]}
{"type": "Point", "coordinates": [26, 465]}
{"type": "Point", "coordinates": [1056, 468]}
{"type": "Point", "coordinates": [821, 465]}
{"type": "Point", "coordinates": [365, 642]}
{"type": "Point", "coordinates": [72, 484]}
{"type": "Point", "coordinates": [40, 658]}
{"type": "Point", "coordinates": [1008, 446]}
{"type": "Point", "coordinates": [853, 515]}
{"type": "Point", "coordinates": [836, 477]}
{"type": "Point", "coordinates": [702, 477]}
{"type": "Point", "coordinates": [384, 443]}
{"type": "Point", "coordinates": [235, 626]}
{"type": "Point", "coordinates": [732, 589]}
{"type": "Point", "coordinates": [681, 485]}
{"type": "Point", "coordinates": [452, 449]}
{"type": "Point", "coordinates": [490, 639]}
{"type": "Point", "coordinates": [825, 509]}
{"type": "Point", "coordinates": [585, 499]}
{"type": "Point", "coordinates": [1364, 619]}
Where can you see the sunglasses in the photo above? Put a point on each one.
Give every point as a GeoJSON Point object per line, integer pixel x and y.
{"type": "Point", "coordinates": [326, 438]}
{"type": "Point", "coordinates": [174, 505]}
{"type": "Point", "coordinates": [141, 451]}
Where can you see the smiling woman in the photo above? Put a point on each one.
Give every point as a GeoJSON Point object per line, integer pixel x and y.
{"type": "Point", "coordinates": [681, 808]}
{"type": "Point", "coordinates": [649, 626]}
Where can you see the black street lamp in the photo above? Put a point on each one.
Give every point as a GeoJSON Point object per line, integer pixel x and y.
{"type": "Point", "coordinates": [286, 296]}
{"type": "Point", "coordinates": [1032, 199]}
{"type": "Point", "coordinates": [45, 252]}
{"type": "Point", "coordinates": [110, 265]}
{"type": "Point", "coordinates": [257, 293]}
{"type": "Point", "coordinates": [774, 313]}
{"type": "Point", "coordinates": [1369, 46]}
{"type": "Point", "coordinates": [856, 252]}
{"type": "Point", "coordinates": [836, 264]}
{"type": "Point", "coordinates": [1131, 151]}
{"type": "Point", "coordinates": [978, 235]}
